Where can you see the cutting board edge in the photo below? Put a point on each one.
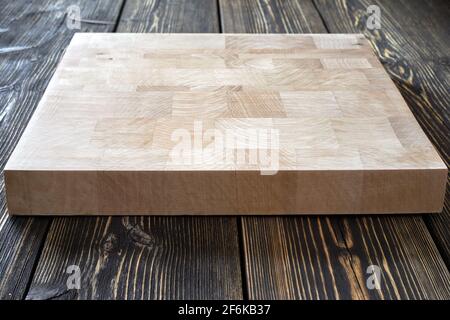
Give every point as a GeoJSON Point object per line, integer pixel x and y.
{"type": "Point", "coordinates": [34, 192]}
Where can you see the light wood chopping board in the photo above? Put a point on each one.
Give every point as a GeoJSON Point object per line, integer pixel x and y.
{"type": "Point", "coordinates": [222, 124]}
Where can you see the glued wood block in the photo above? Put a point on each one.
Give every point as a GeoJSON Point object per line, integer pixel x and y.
{"type": "Point", "coordinates": [179, 124]}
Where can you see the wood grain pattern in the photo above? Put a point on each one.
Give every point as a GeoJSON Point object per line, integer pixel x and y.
{"type": "Point", "coordinates": [269, 16]}
{"type": "Point", "coordinates": [144, 257]}
{"type": "Point", "coordinates": [140, 258]}
{"type": "Point", "coordinates": [416, 57]}
{"type": "Point", "coordinates": [169, 16]}
{"type": "Point", "coordinates": [32, 41]}
{"type": "Point", "coordinates": [327, 258]}
{"type": "Point", "coordinates": [321, 257]}
{"type": "Point", "coordinates": [334, 129]}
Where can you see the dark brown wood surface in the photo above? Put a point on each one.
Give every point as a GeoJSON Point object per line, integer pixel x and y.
{"type": "Point", "coordinates": [222, 257]}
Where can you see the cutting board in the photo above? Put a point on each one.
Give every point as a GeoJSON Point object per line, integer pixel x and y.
{"type": "Point", "coordinates": [180, 124]}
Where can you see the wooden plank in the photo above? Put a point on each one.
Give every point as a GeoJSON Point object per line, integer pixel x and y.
{"type": "Point", "coordinates": [328, 258]}
{"type": "Point", "coordinates": [338, 137]}
{"type": "Point", "coordinates": [270, 16]}
{"type": "Point", "coordinates": [140, 258]}
{"type": "Point", "coordinates": [32, 40]}
{"type": "Point", "coordinates": [169, 16]}
{"type": "Point", "coordinates": [416, 57]}
{"type": "Point", "coordinates": [144, 257]}
{"type": "Point", "coordinates": [321, 257]}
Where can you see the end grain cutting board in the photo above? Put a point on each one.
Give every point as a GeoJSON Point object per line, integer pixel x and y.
{"type": "Point", "coordinates": [222, 124]}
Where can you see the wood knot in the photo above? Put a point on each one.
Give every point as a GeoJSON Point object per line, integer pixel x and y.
{"type": "Point", "coordinates": [137, 235]}
{"type": "Point", "coordinates": [109, 243]}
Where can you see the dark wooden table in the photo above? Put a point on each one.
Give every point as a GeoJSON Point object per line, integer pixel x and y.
{"type": "Point", "coordinates": [303, 257]}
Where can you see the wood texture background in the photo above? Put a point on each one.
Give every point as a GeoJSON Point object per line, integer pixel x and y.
{"type": "Point", "coordinates": [256, 257]}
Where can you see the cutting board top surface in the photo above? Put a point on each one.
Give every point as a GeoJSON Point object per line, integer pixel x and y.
{"type": "Point", "coordinates": [187, 102]}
